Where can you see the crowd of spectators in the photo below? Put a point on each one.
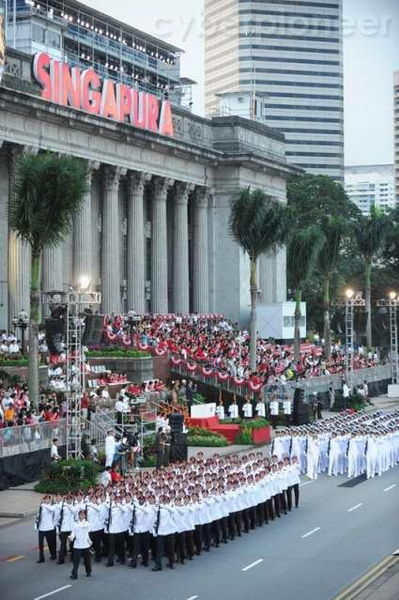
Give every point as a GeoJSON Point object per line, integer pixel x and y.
{"type": "Point", "coordinates": [218, 344]}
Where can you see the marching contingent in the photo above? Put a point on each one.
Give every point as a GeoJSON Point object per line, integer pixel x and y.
{"type": "Point", "coordinates": [179, 511]}
{"type": "Point", "coordinates": [345, 444]}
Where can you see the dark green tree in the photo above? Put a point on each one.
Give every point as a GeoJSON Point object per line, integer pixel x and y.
{"type": "Point", "coordinates": [258, 223]}
{"type": "Point", "coordinates": [48, 193]}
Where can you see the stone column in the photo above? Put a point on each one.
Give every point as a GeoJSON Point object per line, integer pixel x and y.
{"type": "Point", "coordinates": [159, 266]}
{"type": "Point", "coordinates": [267, 268]}
{"type": "Point", "coordinates": [136, 241]}
{"type": "Point", "coordinates": [53, 269]}
{"type": "Point", "coordinates": [111, 234]}
{"type": "Point", "coordinates": [200, 251]}
{"type": "Point", "coordinates": [181, 282]}
{"type": "Point", "coordinates": [82, 234]}
{"type": "Point", "coordinates": [19, 254]}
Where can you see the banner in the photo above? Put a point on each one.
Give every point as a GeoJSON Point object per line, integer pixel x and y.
{"type": "Point", "coordinates": [2, 39]}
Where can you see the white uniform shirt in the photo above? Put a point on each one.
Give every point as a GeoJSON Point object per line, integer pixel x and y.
{"type": "Point", "coordinates": [80, 535]}
{"type": "Point", "coordinates": [274, 408]}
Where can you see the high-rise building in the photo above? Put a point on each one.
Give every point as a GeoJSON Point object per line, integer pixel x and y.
{"type": "Point", "coordinates": [290, 53]}
{"type": "Point", "coordinates": [371, 185]}
{"type": "Point", "coordinates": [396, 131]}
{"type": "Point", "coordinates": [86, 38]}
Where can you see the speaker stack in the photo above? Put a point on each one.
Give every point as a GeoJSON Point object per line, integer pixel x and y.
{"type": "Point", "coordinates": [178, 446]}
{"type": "Point", "coordinates": [93, 332]}
{"type": "Point", "coordinates": [300, 413]}
{"type": "Point", "coordinates": [54, 330]}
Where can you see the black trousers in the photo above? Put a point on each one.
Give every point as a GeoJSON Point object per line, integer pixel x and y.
{"type": "Point", "coordinates": [77, 553]}
{"type": "Point", "coordinates": [51, 538]}
{"type": "Point", "coordinates": [296, 494]}
{"type": "Point", "coordinates": [164, 543]}
{"type": "Point", "coordinates": [63, 537]}
{"type": "Point", "coordinates": [96, 537]}
{"type": "Point", "coordinates": [141, 545]}
{"type": "Point", "coordinates": [116, 544]}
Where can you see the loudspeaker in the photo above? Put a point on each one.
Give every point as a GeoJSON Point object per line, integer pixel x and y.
{"type": "Point", "coordinates": [93, 332]}
{"type": "Point", "coordinates": [54, 329]}
{"type": "Point", "coordinates": [178, 447]}
{"type": "Point", "coordinates": [176, 421]}
{"type": "Point", "coordinates": [300, 413]}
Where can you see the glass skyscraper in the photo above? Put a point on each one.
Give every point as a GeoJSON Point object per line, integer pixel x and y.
{"type": "Point", "coordinates": [290, 54]}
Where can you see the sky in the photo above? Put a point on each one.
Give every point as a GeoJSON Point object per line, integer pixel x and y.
{"type": "Point", "coordinates": [371, 54]}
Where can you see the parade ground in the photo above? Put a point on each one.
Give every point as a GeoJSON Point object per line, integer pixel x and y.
{"type": "Point", "coordinates": [341, 529]}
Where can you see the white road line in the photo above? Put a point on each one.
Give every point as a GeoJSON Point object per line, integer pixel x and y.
{"type": "Point", "coordinates": [390, 487]}
{"type": "Point", "coordinates": [54, 592]}
{"type": "Point", "coordinates": [192, 598]}
{"type": "Point", "coordinates": [257, 562]}
{"type": "Point", "coordinates": [305, 483]}
{"type": "Point", "coordinates": [355, 507]}
{"type": "Point", "coordinates": [311, 532]}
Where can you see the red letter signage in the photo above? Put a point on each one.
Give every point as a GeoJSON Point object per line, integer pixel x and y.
{"type": "Point", "coordinates": [87, 91]}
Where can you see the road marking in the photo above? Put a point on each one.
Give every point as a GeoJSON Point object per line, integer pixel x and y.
{"type": "Point", "coordinates": [257, 562]}
{"type": "Point", "coordinates": [311, 532]}
{"type": "Point", "coordinates": [355, 507]}
{"type": "Point", "coordinates": [192, 598]}
{"type": "Point", "coordinates": [15, 558]}
{"type": "Point", "coordinates": [390, 487]}
{"type": "Point", "coordinates": [54, 592]}
{"type": "Point", "coordinates": [305, 483]}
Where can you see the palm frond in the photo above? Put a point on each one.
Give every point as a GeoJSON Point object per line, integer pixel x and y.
{"type": "Point", "coordinates": [258, 222]}
{"type": "Point", "coordinates": [371, 233]}
{"type": "Point", "coordinates": [48, 192]}
{"type": "Point", "coordinates": [334, 228]}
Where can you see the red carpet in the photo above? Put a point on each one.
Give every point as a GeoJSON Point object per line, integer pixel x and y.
{"type": "Point", "coordinates": [206, 423]}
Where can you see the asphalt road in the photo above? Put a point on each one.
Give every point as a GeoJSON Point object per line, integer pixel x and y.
{"type": "Point", "coordinates": [310, 554]}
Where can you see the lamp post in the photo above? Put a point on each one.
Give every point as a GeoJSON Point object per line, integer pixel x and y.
{"type": "Point", "coordinates": [131, 319]}
{"type": "Point", "coordinates": [393, 303]}
{"type": "Point", "coordinates": [22, 322]}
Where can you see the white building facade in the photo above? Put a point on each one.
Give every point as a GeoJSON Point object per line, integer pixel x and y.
{"type": "Point", "coordinates": [291, 53]}
{"type": "Point", "coordinates": [371, 185]}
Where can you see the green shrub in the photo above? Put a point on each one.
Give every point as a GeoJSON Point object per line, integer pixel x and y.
{"type": "Point", "coordinates": [117, 353]}
{"type": "Point", "coordinates": [244, 438]}
{"type": "Point", "coordinates": [207, 441]}
{"type": "Point", "coordinates": [257, 423]}
{"type": "Point", "coordinates": [150, 461]}
{"type": "Point", "coordinates": [198, 399]}
{"type": "Point", "coordinates": [201, 431]}
{"type": "Point", "coordinates": [355, 401]}
{"type": "Point", "coordinates": [18, 362]}
{"type": "Point", "coordinates": [68, 476]}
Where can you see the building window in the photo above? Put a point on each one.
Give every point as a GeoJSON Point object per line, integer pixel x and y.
{"type": "Point", "coordinates": [53, 39]}
{"type": "Point", "coordinates": [38, 34]}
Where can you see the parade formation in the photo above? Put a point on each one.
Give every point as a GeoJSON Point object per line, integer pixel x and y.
{"type": "Point", "coordinates": [179, 511]}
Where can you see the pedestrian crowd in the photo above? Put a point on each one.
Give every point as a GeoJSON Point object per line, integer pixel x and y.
{"type": "Point", "coordinates": [178, 512]}
{"type": "Point", "coordinates": [346, 444]}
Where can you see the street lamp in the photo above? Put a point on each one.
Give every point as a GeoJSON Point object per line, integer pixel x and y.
{"type": "Point", "coordinates": [84, 283]}
{"type": "Point", "coordinates": [22, 322]}
{"type": "Point", "coordinates": [131, 319]}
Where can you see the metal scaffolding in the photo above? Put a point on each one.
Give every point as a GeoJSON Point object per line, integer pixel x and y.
{"type": "Point", "coordinates": [73, 304]}
{"type": "Point", "coordinates": [392, 303]}
{"type": "Point", "coordinates": [350, 302]}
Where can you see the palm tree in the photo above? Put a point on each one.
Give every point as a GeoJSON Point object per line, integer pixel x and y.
{"type": "Point", "coordinates": [304, 246]}
{"type": "Point", "coordinates": [48, 193]}
{"type": "Point", "coordinates": [370, 234]}
{"type": "Point", "coordinates": [258, 223]}
{"type": "Point", "coordinates": [333, 228]}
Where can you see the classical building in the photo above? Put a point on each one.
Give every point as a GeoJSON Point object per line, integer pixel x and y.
{"type": "Point", "coordinates": [289, 56]}
{"type": "Point", "coordinates": [371, 185]}
{"type": "Point", "coordinates": [153, 233]}
{"type": "Point", "coordinates": [396, 131]}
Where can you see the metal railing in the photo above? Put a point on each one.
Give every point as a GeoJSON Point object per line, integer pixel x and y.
{"type": "Point", "coordinates": [30, 438]}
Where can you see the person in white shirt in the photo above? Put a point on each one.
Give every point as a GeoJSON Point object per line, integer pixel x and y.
{"type": "Point", "coordinates": [233, 410]}
{"type": "Point", "coordinates": [287, 407]}
{"type": "Point", "coordinates": [260, 409]}
{"type": "Point", "coordinates": [110, 445]}
{"type": "Point", "coordinates": [55, 457]}
{"type": "Point", "coordinates": [274, 408]}
{"type": "Point", "coordinates": [247, 409]}
{"type": "Point", "coordinates": [105, 477]}
{"type": "Point", "coordinates": [220, 410]}
{"type": "Point", "coordinates": [45, 525]}
{"type": "Point", "coordinates": [81, 544]}
{"type": "Point", "coordinates": [13, 348]}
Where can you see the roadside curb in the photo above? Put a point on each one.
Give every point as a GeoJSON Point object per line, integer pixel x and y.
{"type": "Point", "coordinates": [358, 586]}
